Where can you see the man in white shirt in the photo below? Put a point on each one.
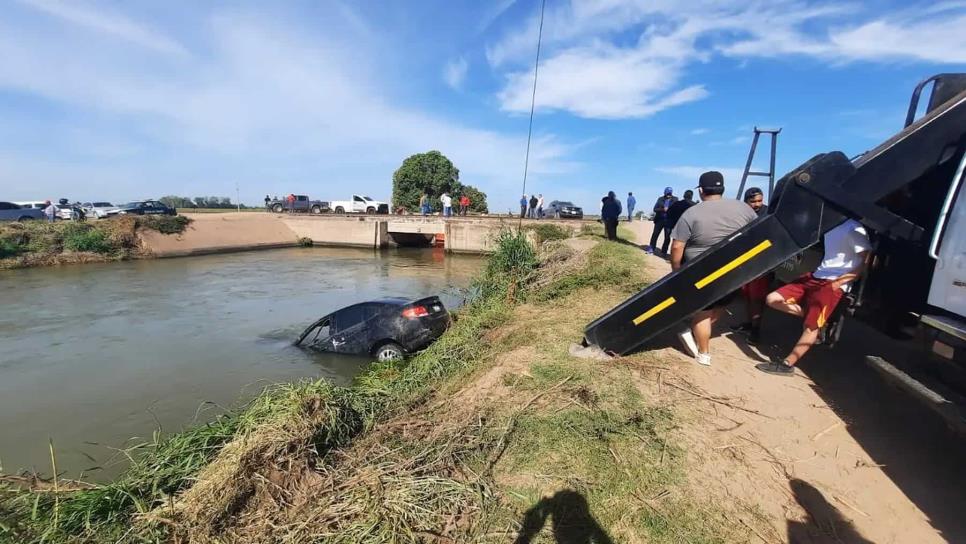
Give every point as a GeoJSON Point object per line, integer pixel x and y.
{"type": "Point", "coordinates": [50, 211]}
{"type": "Point", "coordinates": [447, 202]}
{"type": "Point", "coordinates": [847, 248]}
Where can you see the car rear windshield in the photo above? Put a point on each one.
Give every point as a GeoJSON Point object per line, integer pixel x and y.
{"type": "Point", "coordinates": [103, 205]}
{"type": "Point", "coordinates": [131, 205]}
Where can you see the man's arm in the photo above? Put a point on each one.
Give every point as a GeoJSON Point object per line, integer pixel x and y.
{"type": "Point", "coordinates": [659, 206]}
{"type": "Point", "coordinates": [677, 254]}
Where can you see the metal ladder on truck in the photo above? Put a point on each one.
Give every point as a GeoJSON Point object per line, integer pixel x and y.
{"type": "Point", "coordinates": [809, 201]}
{"type": "Point", "coordinates": [770, 174]}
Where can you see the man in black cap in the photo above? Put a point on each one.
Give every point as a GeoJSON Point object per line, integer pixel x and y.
{"type": "Point", "coordinates": [699, 228]}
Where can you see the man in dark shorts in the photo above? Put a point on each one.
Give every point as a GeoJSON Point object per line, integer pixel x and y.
{"type": "Point", "coordinates": [701, 227]}
{"type": "Point", "coordinates": [846, 251]}
{"type": "Point", "coordinates": [755, 291]}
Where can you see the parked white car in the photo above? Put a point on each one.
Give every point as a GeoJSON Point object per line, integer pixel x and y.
{"type": "Point", "coordinates": [100, 210]}
{"type": "Point", "coordinates": [359, 204]}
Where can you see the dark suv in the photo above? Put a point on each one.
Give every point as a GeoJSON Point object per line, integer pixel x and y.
{"type": "Point", "coordinates": [146, 207]}
{"type": "Point", "coordinates": [388, 329]}
{"type": "Point", "coordinates": [561, 209]}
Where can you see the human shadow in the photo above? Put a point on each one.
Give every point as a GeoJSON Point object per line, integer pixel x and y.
{"type": "Point", "coordinates": [824, 523]}
{"type": "Point", "coordinates": [572, 521]}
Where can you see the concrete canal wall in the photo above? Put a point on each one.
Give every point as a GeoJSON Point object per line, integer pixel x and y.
{"type": "Point", "coordinates": [244, 231]}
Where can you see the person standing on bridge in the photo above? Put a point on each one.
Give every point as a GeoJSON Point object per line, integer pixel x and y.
{"type": "Point", "coordinates": [701, 227]}
{"type": "Point", "coordinates": [464, 204]}
{"type": "Point", "coordinates": [447, 202]}
{"type": "Point", "coordinates": [424, 204]}
{"type": "Point", "coordinates": [631, 202]}
{"type": "Point", "coordinates": [540, 206]}
{"type": "Point", "coordinates": [533, 207]}
{"type": "Point", "coordinates": [267, 200]}
{"type": "Point", "coordinates": [523, 206]}
{"type": "Point", "coordinates": [847, 249]}
{"type": "Point", "coordinates": [290, 199]}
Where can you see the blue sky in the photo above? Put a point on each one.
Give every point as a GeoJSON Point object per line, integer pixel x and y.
{"type": "Point", "coordinates": [123, 100]}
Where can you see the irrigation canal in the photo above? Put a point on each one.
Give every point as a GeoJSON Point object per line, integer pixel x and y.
{"type": "Point", "coordinates": [97, 357]}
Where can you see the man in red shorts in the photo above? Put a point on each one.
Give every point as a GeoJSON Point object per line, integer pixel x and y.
{"type": "Point", "coordinates": [846, 250]}
{"type": "Point", "coordinates": [755, 291]}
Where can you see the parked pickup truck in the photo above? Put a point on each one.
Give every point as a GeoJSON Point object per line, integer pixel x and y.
{"type": "Point", "coordinates": [301, 204]}
{"type": "Point", "coordinates": [359, 204]}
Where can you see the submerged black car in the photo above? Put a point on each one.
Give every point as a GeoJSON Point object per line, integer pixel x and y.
{"type": "Point", "coordinates": [561, 209]}
{"type": "Point", "coordinates": [387, 329]}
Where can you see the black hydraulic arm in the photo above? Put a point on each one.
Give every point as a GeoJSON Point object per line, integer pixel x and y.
{"type": "Point", "coordinates": [809, 201]}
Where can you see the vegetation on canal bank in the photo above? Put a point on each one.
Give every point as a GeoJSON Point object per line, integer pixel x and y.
{"type": "Point", "coordinates": [487, 435]}
{"type": "Point", "coordinates": [39, 243]}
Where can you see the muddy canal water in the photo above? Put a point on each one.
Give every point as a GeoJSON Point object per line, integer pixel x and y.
{"type": "Point", "coordinates": [93, 356]}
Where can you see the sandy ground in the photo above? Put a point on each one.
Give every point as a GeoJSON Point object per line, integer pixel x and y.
{"type": "Point", "coordinates": [831, 455]}
{"type": "Point", "coordinates": [211, 232]}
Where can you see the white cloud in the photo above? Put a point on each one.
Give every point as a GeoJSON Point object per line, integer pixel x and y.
{"type": "Point", "coordinates": [323, 114]}
{"type": "Point", "coordinates": [107, 23]}
{"type": "Point", "coordinates": [593, 69]}
{"type": "Point", "coordinates": [600, 81]}
{"type": "Point", "coordinates": [700, 131]}
{"type": "Point", "coordinates": [454, 73]}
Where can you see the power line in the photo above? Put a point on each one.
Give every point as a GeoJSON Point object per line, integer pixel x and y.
{"type": "Point", "coordinates": [533, 101]}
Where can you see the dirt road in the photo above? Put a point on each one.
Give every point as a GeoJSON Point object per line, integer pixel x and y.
{"type": "Point", "coordinates": [833, 454]}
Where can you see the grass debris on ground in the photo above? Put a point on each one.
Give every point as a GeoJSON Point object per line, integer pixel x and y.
{"type": "Point", "coordinates": [40, 243]}
{"type": "Point", "coordinates": [494, 433]}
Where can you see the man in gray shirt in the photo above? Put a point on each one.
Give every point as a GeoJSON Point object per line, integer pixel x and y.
{"type": "Point", "coordinates": [700, 227]}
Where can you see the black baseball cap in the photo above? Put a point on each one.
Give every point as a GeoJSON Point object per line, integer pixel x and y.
{"type": "Point", "coordinates": [710, 180]}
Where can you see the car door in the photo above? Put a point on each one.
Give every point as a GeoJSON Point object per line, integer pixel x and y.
{"type": "Point", "coordinates": [358, 203]}
{"type": "Point", "coordinates": [9, 211]}
{"type": "Point", "coordinates": [350, 330]}
{"type": "Point", "coordinates": [151, 208]}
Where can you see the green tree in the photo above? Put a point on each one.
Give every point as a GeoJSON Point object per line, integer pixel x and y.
{"type": "Point", "coordinates": [477, 199]}
{"type": "Point", "coordinates": [421, 173]}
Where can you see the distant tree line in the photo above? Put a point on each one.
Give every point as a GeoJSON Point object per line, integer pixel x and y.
{"type": "Point", "coordinates": [199, 202]}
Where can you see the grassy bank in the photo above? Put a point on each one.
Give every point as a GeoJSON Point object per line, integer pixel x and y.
{"type": "Point", "coordinates": [493, 433]}
{"type": "Point", "coordinates": [39, 243]}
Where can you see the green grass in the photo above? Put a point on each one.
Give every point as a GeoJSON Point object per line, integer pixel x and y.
{"type": "Point", "coordinates": [165, 224]}
{"type": "Point", "coordinates": [85, 237]}
{"type": "Point", "coordinates": [609, 264]}
{"type": "Point", "coordinates": [328, 416]}
{"type": "Point", "coordinates": [548, 232]}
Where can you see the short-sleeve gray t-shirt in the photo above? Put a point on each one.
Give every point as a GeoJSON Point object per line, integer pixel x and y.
{"type": "Point", "coordinates": [707, 223]}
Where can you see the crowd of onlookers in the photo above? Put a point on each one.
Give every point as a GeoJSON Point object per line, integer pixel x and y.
{"type": "Point", "coordinates": [446, 200]}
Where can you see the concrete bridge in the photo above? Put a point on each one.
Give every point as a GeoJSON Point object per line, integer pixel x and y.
{"type": "Point", "coordinates": [225, 232]}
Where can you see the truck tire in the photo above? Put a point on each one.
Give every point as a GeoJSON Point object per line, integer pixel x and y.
{"type": "Point", "coordinates": [278, 208]}
{"type": "Point", "coordinates": [339, 210]}
{"type": "Point", "coordinates": [317, 210]}
{"type": "Point", "coordinates": [390, 351]}
{"type": "Point", "coordinates": [370, 210]}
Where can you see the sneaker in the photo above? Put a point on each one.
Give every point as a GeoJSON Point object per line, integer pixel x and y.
{"type": "Point", "coordinates": [648, 250]}
{"type": "Point", "coordinates": [743, 328]}
{"type": "Point", "coordinates": [754, 337]}
{"type": "Point", "coordinates": [703, 359]}
{"type": "Point", "coordinates": [687, 340]}
{"type": "Point", "coordinates": [777, 367]}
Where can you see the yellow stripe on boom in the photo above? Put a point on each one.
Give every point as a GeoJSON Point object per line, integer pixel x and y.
{"type": "Point", "coordinates": [745, 257]}
{"type": "Point", "coordinates": [653, 311]}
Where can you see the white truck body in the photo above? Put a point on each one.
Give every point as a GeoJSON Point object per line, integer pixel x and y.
{"type": "Point", "coordinates": [358, 204]}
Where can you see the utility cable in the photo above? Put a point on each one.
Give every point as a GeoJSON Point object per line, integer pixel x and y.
{"type": "Point", "coordinates": [533, 101]}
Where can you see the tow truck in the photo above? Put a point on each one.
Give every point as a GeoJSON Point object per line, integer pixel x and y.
{"type": "Point", "coordinates": [908, 193]}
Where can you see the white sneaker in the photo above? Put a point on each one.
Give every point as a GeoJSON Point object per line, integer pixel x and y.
{"type": "Point", "coordinates": [703, 359]}
{"type": "Point", "coordinates": [687, 340]}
